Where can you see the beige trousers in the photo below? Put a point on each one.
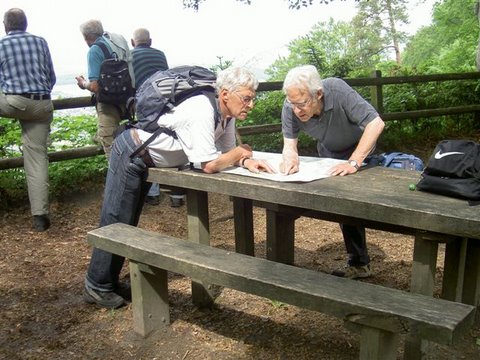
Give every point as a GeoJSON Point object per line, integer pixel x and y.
{"type": "Point", "coordinates": [109, 117]}
{"type": "Point", "coordinates": [35, 117]}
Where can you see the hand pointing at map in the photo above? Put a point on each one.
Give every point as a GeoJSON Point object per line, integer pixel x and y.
{"type": "Point", "coordinates": [256, 166]}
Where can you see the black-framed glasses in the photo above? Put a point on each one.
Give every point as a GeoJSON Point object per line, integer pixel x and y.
{"type": "Point", "coordinates": [246, 100]}
{"type": "Point", "coordinates": [300, 105]}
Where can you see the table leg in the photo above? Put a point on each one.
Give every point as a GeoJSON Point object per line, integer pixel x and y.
{"type": "Point", "coordinates": [423, 277]}
{"type": "Point", "coordinates": [199, 232]}
{"type": "Point", "coordinates": [454, 269]}
{"type": "Point", "coordinates": [243, 219]}
{"type": "Point", "coordinates": [471, 283]}
{"type": "Point", "coordinates": [280, 237]}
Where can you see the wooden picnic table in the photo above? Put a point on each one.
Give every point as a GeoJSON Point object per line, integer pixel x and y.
{"type": "Point", "coordinates": [377, 197]}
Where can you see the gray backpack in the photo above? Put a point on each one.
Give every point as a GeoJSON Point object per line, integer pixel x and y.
{"type": "Point", "coordinates": [164, 90]}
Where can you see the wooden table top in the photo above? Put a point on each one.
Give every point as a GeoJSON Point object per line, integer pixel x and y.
{"type": "Point", "coordinates": [374, 194]}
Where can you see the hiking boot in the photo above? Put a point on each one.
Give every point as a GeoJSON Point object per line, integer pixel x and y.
{"type": "Point", "coordinates": [152, 200]}
{"type": "Point", "coordinates": [41, 222]}
{"type": "Point", "coordinates": [106, 299]}
{"type": "Point", "coordinates": [176, 201]}
{"type": "Point", "coordinates": [124, 290]}
{"type": "Point", "coordinates": [354, 272]}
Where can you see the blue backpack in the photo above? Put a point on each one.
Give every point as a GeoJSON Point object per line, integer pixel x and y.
{"type": "Point", "coordinates": [398, 160]}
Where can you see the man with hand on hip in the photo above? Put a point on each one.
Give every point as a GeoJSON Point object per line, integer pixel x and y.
{"type": "Point", "coordinates": [26, 81]}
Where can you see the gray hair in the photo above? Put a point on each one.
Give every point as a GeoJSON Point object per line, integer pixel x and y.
{"type": "Point", "coordinates": [141, 36]}
{"type": "Point", "coordinates": [234, 78]}
{"type": "Point", "coordinates": [305, 76]}
{"type": "Point", "coordinates": [91, 29]}
{"type": "Point", "coordinates": [15, 19]}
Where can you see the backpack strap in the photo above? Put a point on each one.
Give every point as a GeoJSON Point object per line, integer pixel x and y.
{"type": "Point", "coordinates": [153, 137]}
{"type": "Point", "coordinates": [104, 48]}
{"type": "Point", "coordinates": [211, 97]}
{"type": "Point", "coordinates": [213, 101]}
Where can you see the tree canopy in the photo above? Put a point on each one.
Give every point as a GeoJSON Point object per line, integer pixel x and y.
{"type": "Point", "coordinates": [292, 4]}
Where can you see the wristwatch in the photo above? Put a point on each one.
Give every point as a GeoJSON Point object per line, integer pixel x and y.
{"type": "Point", "coordinates": [354, 164]}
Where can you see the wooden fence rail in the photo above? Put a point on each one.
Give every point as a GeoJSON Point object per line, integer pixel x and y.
{"type": "Point", "coordinates": [376, 84]}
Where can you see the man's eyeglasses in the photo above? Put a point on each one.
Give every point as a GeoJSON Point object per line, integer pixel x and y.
{"type": "Point", "coordinates": [300, 105]}
{"type": "Point", "coordinates": [246, 100]}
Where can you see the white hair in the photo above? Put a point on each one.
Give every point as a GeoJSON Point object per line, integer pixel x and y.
{"type": "Point", "coordinates": [234, 78]}
{"type": "Point", "coordinates": [305, 76]}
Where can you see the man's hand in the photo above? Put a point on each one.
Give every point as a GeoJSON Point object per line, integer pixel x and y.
{"type": "Point", "coordinates": [245, 151]}
{"type": "Point", "coordinates": [290, 163]}
{"type": "Point", "coordinates": [81, 82]}
{"type": "Point", "coordinates": [256, 166]}
{"type": "Point", "coordinates": [289, 167]}
{"type": "Point", "coordinates": [343, 169]}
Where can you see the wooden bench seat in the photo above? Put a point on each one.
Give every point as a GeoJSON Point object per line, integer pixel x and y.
{"type": "Point", "coordinates": [381, 314]}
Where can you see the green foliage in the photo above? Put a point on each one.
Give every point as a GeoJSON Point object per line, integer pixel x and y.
{"type": "Point", "coordinates": [267, 109]}
{"type": "Point", "coordinates": [449, 44]}
{"type": "Point", "coordinates": [67, 132]}
{"type": "Point", "coordinates": [326, 47]}
{"type": "Point", "coordinates": [292, 4]}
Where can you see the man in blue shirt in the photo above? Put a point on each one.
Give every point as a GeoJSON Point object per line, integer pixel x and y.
{"type": "Point", "coordinates": [109, 115]}
{"type": "Point", "coordinates": [26, 81]}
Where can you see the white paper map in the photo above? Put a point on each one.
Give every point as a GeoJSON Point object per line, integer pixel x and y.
{"type": "Point", "coordinates": [311, 168]}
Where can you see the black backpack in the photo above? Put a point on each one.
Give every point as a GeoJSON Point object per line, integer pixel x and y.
{"type": "Point", "coordinates": [115, 83]}
{"type": "Point", "coordinates": [453, 170]}
{"type": "Point", "coordinates": [164, 90]}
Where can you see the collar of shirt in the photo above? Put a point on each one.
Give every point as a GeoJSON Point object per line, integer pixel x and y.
{"type": "Point", "coordinates": [14, 32]}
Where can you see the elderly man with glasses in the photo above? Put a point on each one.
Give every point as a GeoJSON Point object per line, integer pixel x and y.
{"type": "Point", "coordinates": [194, 136]}
{"type": "Point", "coordinates": [345, 127]}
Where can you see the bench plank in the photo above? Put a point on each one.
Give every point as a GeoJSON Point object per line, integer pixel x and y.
{"type": "Point", "coordinates": [433, 319]}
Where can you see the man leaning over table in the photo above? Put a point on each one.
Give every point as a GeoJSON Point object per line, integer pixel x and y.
{"type": "Point", "coordinates": [345, 126]}
{"type": "Point", "coordinates": [199, 138]}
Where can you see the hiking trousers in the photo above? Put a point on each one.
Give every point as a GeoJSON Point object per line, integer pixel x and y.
{"type": "Point", "coordinates": [125, 191]}
{"type": "Point", "coordinates": [35, 117]}
{"type": "Point", "coordinates": [109, 117]}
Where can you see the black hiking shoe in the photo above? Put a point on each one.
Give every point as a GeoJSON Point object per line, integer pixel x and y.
{"type": "Point", "coordinates": [124, 290]}
{"type": "Point", "coordinates": [106, 299]}
{"type": "Point", "coordinates": [152, 200]}
{"type": "Point", "coordinates": [41, 222]}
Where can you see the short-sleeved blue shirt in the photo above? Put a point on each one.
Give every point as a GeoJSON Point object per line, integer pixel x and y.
{"type": "Point", "coordinates": [339, 127]}
{"type": "Point", "coordinates": [95, 58]}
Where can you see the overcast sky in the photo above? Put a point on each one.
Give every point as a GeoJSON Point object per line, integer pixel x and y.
{"type": "Point", "coordinates": [251, 35]}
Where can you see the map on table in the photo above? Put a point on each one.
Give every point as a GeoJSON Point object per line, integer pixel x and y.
{"type": "Point", "coordinates": [311, 168]}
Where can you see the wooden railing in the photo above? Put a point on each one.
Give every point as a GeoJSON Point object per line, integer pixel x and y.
{"type": "Point", "coordinates": [376, 84]}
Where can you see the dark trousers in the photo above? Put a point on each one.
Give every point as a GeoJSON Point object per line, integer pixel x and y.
{"type": "Point", "coordinates": [356, 244]}
{"type": "Point", "coordinates": [125, 191]}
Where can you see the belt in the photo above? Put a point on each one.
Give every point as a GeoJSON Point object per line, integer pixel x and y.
{"type": "Point", "coordinates": [34, 96]}
{"type": "Point", "coordinates": [144, 154]}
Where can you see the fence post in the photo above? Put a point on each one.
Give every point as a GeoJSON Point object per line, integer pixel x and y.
{"type": "Point", "coordinates": [376, 92]}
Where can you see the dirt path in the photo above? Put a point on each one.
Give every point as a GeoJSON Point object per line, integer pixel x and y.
{"type": "Point", "coordinates": [42, 315]}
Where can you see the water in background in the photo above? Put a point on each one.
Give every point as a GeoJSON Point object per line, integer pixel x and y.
{"type": "Point", "coordinates": [66, 87]}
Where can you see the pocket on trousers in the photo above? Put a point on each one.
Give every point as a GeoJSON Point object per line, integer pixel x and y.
{"type": "Point", "coordinates": [17, 102]}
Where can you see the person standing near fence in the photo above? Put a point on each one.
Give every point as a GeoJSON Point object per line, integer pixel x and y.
{"type": "Point", "coordinates": [146, 61]}
{"type": "Point", "coordinates": [109, 115]}
{"type": "Point", "coordinates": [26, 81]}
{"type": "Point", "coordinates": [345, 127]}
